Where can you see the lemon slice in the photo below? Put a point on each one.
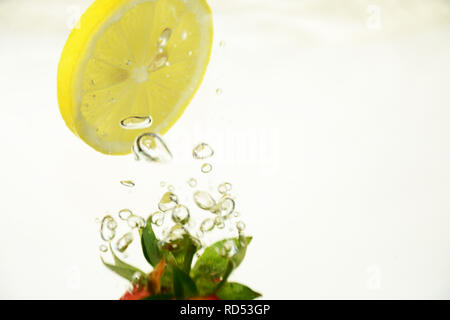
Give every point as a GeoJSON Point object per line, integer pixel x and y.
{"type": "Point", "coordinates": [132, 58]}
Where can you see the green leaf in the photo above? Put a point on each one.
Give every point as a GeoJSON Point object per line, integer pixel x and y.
{"type": "Point", "coordinates": [121, 268]}
{"type": "Point", "coordinates": [213, 268]}
{"type": "Point", "coordinates": [183, 286]}
{"type": "Point", "coordinates": [236, 291]}
{"type": "Point", "coordinates": [150, 246]}
{"type": "Point", "coordinates": [186, 247]}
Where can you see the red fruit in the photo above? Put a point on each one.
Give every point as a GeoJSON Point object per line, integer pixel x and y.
{"type": "Point", "coordinates": [138, 293]}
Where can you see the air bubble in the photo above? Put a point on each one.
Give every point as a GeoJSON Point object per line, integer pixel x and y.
{"type": "Point", "coordinates": [206, 168]}
{"type": "Point", "coordinates": [123, 243]}
{"type": "Point", "coordinates": [204, 200]}
{"type": "Point", "coordinates": [157, 218]}
{"type": "Point", "coordinates": [103, 248]}
{"type": "Point", "coordinates": [127, 183]}
{"type": "Point", "coordinates": [180, 214]}
{"type": "Point", "coordinates": [164, 37]}
{"type": "Point", "coordinates": [202, 151]}
{"type": "Point", "coordinates": [106, 232]}
{"type": "Point", "coordinates": [136, 122]}
{"type": "Point", "coordinates": [168, 201]}
{"type": "Point", "coordinates": [136, 221]}
{"type": "Point", "coordinates": [192, 182]}
{"type": "Point", "coordinates": [152, 148]}
{"type": "Point", "coordinates": [207, 225]}
{"type": "Point", "coordinates": [124, 214]}
{"type": "Point", "coordinates": [240, 225]}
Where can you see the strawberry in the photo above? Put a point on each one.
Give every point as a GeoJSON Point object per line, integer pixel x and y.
{"type": "Point", "coordinates": [174, 276]}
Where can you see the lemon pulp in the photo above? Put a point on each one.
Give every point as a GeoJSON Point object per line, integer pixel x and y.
{"type": "Point", "coordinates": [132, 58]}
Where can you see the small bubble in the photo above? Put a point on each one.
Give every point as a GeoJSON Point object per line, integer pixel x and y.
{"type": "Point", "coordinates": [171, 188]}
{"type": "Point", "coordinates": [180, 214]}
{"type": "Point", "coordinates": [164, 37]}
{"type": "Point", "coordinates": [222, 44]}
{"type": "Point", "coordinates": [103, 248]}
{"type": "Point", "coordinates": [123, 243]}
{"type": "Point", "coordinates": [190, 53]}
{"type": "Point", "coordinates": [168, 201]}
{"type": "Point", "coordinates": [218, 221]}
{"type": "Point", "coordinates": [136, 122]}
{"type": "Point", "coordinates": [124, 214]}
{"type": "Point", "coordinates": [192, 182]}
{"type": "Point", "coordinates": [207, 225]}
{"type": "Point", "coordinates": [219, 91]}
{"type": "Point", "coordinates": [137, 279]}
{"type": "Point", "coordinates": [162, 184]}
{"type": "Point", "coordinates": [206, 168]}
{"type": "Point", "coordinates": [236, 214]}
{"type": "Point", "coordinates": [225, 207]}
{"type": "Point", "coordinates": [127, 183]}
{"type": "Point", "coordinates": [106, 232]}
{"type": "Point", "coordinates": [152, 148]}
{"type": "Point", "coordinates": [157, 218]}
{"type": "Point", "coordinates": [240, 225]}
{"type": "Point", "coordinates": [204, 200]}
{"type": "Point", "coordinates": [184, 35]}
{"type": "Point", "coordinates": [202, 151]}
{"type": "Point", "coordinates": [176, 232]}
{"type": "Point", "coordinates": [136, 222]}
{"type": "Point", "coordinates": [158, 62]}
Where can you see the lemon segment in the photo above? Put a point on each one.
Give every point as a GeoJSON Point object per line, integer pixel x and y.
{"type": "Point", "coordinates": [132, 58]}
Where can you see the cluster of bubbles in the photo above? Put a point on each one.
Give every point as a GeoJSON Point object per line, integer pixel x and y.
{"type": "Point", "coordinates": [173, 217]}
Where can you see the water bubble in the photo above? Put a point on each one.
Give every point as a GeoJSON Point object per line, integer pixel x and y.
{"type": "Point", "coordinates": [202, 151]}
{"type": "Point", "coordinates": [164, 37]}
{"type": "Point", "coordinates": [226, 206]}
{"type": "Point", "coordinates": [229, 245]}
{"type": "Point", "coordinates": [168, 201]}
{"type": "Point", "coordinates": [136, 221]}
{"type": "Point", "coordinates": [124, 214]}
{"type": "Point", "coordinates": [112, 224]}
{"type": "Point", "coordinates": [190, 53]}
{"type": "Point", "coordinates": [206, 168]}
{"type": "Point", "coordinates": [222, 44]}
{"type": "Point", "coordinates": [224, 188]}
{"type": "Point", "coordinates": [192, 182]}
{"type": "Point", "coordinates": [180, 214]}
{"type": "Point", "coordinates": [171, 188]}
{"type": "Point", "coordinates": [240, 225]}
{"type": "Point", "coordinates": [136, 122]}
{"type": "Point", "coordinates": [103, 248]}
{"type": "Point", "coordinates": [218, 221]}
{"type": "Point", "coordinates": [137, 279]}
{"type": "Point", "coordinates": [219, 91]}
{"type": "Point", "coordinates": [152, 148]}
{"type": "Point", "coordinates": [158, 62]}
{"type": "Point", "coordinates": [123, 243]}
{"type": "Point", "coordinates": [176, 232]}
{"type": "Point", "coordinates": [236, 214]}
{"type": "Point", "coordinates": [204, 200]}
{"type": "Point", "coordinates": [127, 183]}
{"type": "Point", "coordinates": [157, 218]}
{"type": "Point", "coordinates": [107, 233]}
{"type": "Point", "coordinates": [207, 225]}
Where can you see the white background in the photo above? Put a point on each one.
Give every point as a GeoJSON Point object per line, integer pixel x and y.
{"type": "Point", "coordinates": [332, 126]}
